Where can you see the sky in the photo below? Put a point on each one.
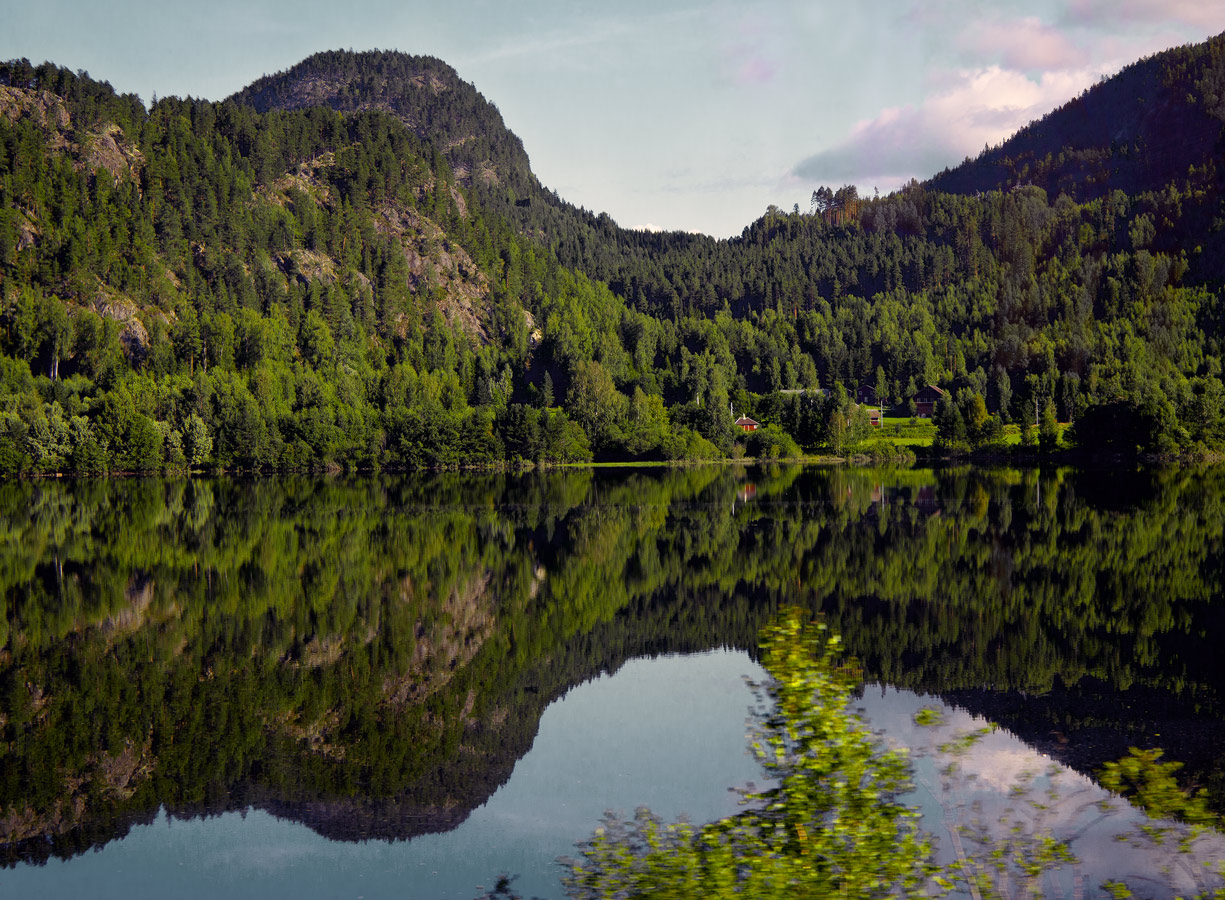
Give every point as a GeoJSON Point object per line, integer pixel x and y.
{"type": "Point", "coordinates": [679, 115]}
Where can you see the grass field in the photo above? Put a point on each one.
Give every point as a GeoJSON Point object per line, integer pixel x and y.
{"type": "Point", "coordinates": [922, 432]}
{"type": "Point", "coordinates": [899, 430]}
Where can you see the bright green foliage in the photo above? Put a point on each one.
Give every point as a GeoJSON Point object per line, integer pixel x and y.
{"type": "Point", "coordinates": [963, 422]}
{"type": "Point", "coordinates": [1150, 784]}
{"type": "Point", "coordinates": [1178, 818]}
{"type": "Point", "coordinates": [832, 827]}
{"type": "Point", "coordinates": [1048, 428]}
{"type": "Point", "coordinates": [770, 442]}
{"type": "Point", "coordinates": [330, 287]}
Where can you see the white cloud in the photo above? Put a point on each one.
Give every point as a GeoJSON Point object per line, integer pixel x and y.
{"type": "Point", "coordinates": [1011, 71]}
{"type": "Point", "coordinates": [973, 108]}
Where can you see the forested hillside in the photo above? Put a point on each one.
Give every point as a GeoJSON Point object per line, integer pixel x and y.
{"type": "Point", "coordinates": [1156, 122]}
{"type": "Point", "coordinates": [351, 264]}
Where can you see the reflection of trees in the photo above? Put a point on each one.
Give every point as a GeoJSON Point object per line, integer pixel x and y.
{"type": "Point", "coordinates": [364, 653]}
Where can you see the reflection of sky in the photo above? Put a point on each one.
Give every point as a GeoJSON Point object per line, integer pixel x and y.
{"type": "Point", "coordinates": [979, 794]}
{"type": "Point", "coordinates": [667, 733]}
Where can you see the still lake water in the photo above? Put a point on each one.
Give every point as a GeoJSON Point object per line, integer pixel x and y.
{"type": "Point", "coordinates": [402, 686]}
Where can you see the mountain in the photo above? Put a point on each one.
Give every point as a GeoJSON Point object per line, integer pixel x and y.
{"type": "Point", "coordinates": [1157, 122]}
{"type": "Point", "coordinates": [438, 106]}
{"type": "Point", "coordinates": [350, 264]}
{"type": "Point", "coordinates": [423, 92]}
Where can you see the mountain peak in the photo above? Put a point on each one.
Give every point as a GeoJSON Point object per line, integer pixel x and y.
{"type": "Point", "coordinates": [422, 91]}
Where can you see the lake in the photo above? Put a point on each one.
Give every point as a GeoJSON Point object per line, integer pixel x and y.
{"type": "Point", "coordinates": [402, 686]}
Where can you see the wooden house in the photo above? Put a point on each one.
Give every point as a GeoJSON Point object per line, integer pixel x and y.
{"type": "Point", "coordinates": [925, 401]}
{"type": "Point", "coordinates": [744, 423]}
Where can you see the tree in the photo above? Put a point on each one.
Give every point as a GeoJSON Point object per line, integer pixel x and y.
{"type": "Point", "coordinates": [1003, 387]}
{"type": "Point", "coordinates": [55, 331]}
{"type": "Point", "coordinates": [197, 441]}
{"type": "Point", "coordinates": [882, 389]}
{"type": "Point", "coordinates": [981, 428]}
{"type": "Point", "coordinates": [316, 339]}
{"type": "Point", "coordinates": [595, 403]}
{"type": "Point", "coordinates": [950, 424]}
{"type": "Point", "coordinates": [1048, 428]}
{"type": "Point", "coordinates": [647, 425]}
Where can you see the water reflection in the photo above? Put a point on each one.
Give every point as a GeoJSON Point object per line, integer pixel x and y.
{"type": "Point", "coordinates": [668, 731]}
{"type": "Point", "coordinates": [371, 656]}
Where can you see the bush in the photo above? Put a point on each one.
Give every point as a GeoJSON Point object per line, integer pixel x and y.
{"type": "Point", "coordinates": [770, 442]}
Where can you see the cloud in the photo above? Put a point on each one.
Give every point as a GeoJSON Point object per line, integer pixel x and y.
{"type": "Point", "coordinates": [756, 70]}
{"type": "Point", "coordinates": [1026, 43]}
{"type": "Point", "coordinates": [1196, 13]}
{"type": "Point", "coordinates": [751, 51]}
{"type": "Point", "coordinates": [581, 35]}
{"type": "Point", "coordinates": [973, 108]}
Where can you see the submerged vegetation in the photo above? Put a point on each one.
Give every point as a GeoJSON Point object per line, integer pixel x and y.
{"type": "Point", "coordinates": [833, 824]}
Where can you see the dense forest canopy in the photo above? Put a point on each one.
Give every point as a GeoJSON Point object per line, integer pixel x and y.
{"type": "Point", "coordinates": [351, 264]}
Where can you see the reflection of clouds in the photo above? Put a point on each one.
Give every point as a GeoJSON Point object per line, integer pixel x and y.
{"type": "Point", "coordinates": [266, 858]}
{"type": "Point", "coordinates": [977, 799]}
{"type": "Point", "coordinates": [271, 847]}
{"type": "Point", "coordinates": [999, 767]}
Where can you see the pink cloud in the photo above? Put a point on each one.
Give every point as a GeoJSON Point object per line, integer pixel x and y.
{"type": "Point", "coordinates": [1208, 14]}
{"type": "Point", "coordinates": [750, 51]}
{"type": "Point", "coordinates": [1026, 43]}
{"type": "Point", "coordinates": [756, 70]}
{"type": "Point", "coordinates": [976, 107]}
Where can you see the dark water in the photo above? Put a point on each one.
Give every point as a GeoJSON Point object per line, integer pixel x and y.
{"type": "Point", "coordinates": [320, 687]}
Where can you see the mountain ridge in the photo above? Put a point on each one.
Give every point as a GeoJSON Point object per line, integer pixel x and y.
{"type": "Point", "coordinates": [1117, 134]}
{"type": "Point", "coordinates": [380, 281]}
{"type": "Point", "coordinates": [424, 92]}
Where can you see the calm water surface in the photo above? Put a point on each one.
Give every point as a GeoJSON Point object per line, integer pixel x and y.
{"type": "Point", "coordinates": [321, 687]}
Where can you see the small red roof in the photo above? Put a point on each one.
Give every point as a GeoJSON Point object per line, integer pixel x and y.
{"type": "Point", "coordinates": [745, 420]}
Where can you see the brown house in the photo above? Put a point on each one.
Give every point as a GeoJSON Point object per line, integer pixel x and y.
{"type": "Point", "coordinates": [865, 395]}
{"type": "Point", "coordinates": [744, 423]}
{"type": "Point", "coordinates": [925, 401]}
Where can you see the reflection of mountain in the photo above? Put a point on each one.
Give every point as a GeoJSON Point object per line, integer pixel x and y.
{"type": "Point", "coordinates": [1087, 724]}
{"type": "Point", "coordinates": [372, 656]}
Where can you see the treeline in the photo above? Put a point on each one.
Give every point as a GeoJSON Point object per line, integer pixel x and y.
{"type": "Point", "coordinates": [304, 290]}
{"type": "Point", "coordinates": [1015, 296]}
{"type": "Point", "coordinates": [206, 285]}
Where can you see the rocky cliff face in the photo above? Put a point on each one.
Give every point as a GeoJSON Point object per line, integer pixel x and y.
{"type": "Point", "coordinates": [101, 149]}
{"type": "Point", "coordinates": [423, 92]}
{"type": "Point", "coordinates": [436, 264]}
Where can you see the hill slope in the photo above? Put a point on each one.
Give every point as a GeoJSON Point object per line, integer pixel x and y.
{"type": "Point", "coordinates": [1149, 125]}
{"type": "Point", "coordinates": [352, 277]}
{"type": "Point", "coordinates": [423, 92]}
